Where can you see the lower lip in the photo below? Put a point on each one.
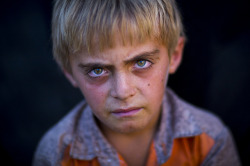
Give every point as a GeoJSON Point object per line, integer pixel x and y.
{"type": "Point", "coordinates": [126, 114]}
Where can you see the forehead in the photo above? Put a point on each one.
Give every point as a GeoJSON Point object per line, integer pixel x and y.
{"type": "Point", "coordinates": [117, 40]}
{"type": "Point", "coordinates": [122, 51]}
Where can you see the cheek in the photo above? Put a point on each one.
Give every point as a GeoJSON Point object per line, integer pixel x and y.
{"type": "Point", "coordinates": [158, 79]}
{"type": "Point", "coordinates": [94, 94]}
{"type": "Point", "coordinates": [154, 85]}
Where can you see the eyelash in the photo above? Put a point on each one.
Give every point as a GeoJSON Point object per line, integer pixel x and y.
{"type": "Point", "coordinates": [147, 62]}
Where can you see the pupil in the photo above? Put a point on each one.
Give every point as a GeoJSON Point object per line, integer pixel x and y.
{"type": "Point", "coordinates": [141, 63]}
{"type": "Point", "coordinates": [98, 71]}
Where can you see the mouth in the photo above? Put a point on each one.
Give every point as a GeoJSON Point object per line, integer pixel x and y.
{"type": "Point", "coordinates": [126, 112]}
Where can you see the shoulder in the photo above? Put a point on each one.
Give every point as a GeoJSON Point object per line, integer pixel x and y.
{"type": "Point", "coordinates": [206, 121]}
{"type": "Point", "coordinates": [57, 138]}
{"type": "Point", "coordinates": [197, 121]}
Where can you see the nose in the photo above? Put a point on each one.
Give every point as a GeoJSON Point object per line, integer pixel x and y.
{"type": "Point", "coordinates": [122, 86]}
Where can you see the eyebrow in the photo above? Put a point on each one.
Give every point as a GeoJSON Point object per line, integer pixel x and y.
{"type": "Point", "coordinates": [143, 55]}
{"type": "Point", "coordinates": [136, 57]}
{"type": "Point", "coordinates": [95, 65]}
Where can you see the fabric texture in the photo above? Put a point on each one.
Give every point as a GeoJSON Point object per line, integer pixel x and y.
{"type": "Point", "coordinates": [187, 135]}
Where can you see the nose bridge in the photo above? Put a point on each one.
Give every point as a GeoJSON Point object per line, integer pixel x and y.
{"type": "Point", "coordinates": [123, 86]}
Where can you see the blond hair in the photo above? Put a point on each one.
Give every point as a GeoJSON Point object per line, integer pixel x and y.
{"type": "Point", "coordinates": [86, 25]}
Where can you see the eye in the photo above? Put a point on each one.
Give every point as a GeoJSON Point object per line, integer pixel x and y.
{"type": "Point", "coordinates": [142, 64]}
{"type": "Point", "coordinates": [97, 72]}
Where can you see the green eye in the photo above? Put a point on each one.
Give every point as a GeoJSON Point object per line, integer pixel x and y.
{"type": "Point", "coordinates": [98, 71]}
{"type": "Point", "coordinates": [141, 63]}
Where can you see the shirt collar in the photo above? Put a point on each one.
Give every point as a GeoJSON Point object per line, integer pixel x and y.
{"type": "Point", "coordinates": [89, 143]}
{"type": "Point", "coordinates": [176, 121]}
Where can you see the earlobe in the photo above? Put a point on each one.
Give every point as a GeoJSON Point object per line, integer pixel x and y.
{"type": "Point", "coordinates": [70, 77]}
{"type": "Point", "coordinates": [176, 56]}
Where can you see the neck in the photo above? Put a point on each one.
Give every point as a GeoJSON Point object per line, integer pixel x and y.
{"type": "Point", "coordinates": [133, 147]}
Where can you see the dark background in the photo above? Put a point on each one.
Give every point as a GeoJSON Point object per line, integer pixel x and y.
{"type": "Point", "coordinates": [215, 73]}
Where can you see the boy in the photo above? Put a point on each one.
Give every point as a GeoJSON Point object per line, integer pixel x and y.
{"type": "Point", "coordinates": [119, 54]}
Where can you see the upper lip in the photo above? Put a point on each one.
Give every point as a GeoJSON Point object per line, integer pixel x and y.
{"type": "Point", "coordinates": [125, 110]}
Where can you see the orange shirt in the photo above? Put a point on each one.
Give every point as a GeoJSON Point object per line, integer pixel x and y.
{"type": "Point", "coordinates": [189, 151]}
{"type": "Point", "coordinates": [186, 136]}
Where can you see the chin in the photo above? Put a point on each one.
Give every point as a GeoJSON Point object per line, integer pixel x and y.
{"type": "Point", "coordinates": [129, 128]}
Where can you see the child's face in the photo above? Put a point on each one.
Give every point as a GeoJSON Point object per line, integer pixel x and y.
{"type": "Point", "coordinates": [124, 86]}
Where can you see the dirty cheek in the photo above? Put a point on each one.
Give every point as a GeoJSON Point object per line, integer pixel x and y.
{"type": "Point", "coordinates": [94, 91]}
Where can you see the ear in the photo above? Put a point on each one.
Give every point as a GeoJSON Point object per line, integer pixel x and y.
{"type": "Point", "coordinates": [70, 77]}
{"type": "Point", "coordinates": [176, 56]}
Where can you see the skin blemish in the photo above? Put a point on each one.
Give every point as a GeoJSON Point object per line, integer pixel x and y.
{"type": "Point", "coordinates": [148, 84]}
